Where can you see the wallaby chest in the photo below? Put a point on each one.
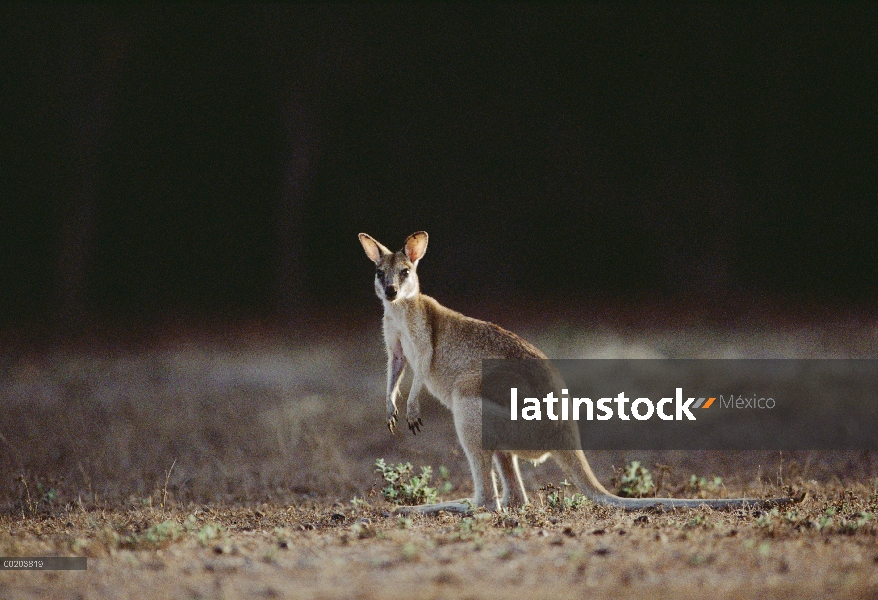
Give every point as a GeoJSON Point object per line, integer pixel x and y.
{"type": "Point", "coordinates": [406, 330]}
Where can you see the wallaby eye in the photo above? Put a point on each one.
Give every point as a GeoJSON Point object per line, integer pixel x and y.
{"type": "Point", "coordinates": [404, 273]}
{"type": "Point", "coordinates": [379, 274]}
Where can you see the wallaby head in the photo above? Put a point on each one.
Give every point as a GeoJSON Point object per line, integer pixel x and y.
{"type": "Point", "coordinates": [396, 276]}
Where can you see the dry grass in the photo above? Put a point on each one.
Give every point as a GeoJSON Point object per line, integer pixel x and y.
{"type": "Point", "coordinates": [224, 466]}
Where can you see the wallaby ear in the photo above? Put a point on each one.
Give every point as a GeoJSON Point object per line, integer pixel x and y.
{"type": "Point", "coordinates": [416, 246]}
{"type": "Point", "coordinates": [374, 249]}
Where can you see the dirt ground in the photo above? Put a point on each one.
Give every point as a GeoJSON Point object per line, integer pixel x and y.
{"type": "Point", "coordinates": [240, 464]}
{"type": "Point", "coordinates": [320, 550]}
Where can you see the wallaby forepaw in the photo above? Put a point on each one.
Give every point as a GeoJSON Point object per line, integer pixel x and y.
{"type": "Point", "coordinates": [415, 425]}
{"type": "Point", "coordinates": [391, 422]}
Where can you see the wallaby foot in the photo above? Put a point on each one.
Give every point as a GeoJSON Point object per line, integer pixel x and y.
{"type": "Point", "coordinates": [464, 506]}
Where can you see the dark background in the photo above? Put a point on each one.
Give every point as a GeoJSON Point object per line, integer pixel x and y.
{"type": "Point", "coordinates": [219, 161]}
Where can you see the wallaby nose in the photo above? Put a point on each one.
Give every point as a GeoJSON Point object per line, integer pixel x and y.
{"type": "Point", "coordinates": [390, 292]}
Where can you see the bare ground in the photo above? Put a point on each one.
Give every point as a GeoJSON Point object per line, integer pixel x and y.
{"type": "Point", "coordinates": [223, 465]}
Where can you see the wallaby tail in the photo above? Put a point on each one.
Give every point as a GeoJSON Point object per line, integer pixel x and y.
{"type": "Point", "coordinates": [674, 503]}
{"type": "Point", "coordinates": [576, 467]}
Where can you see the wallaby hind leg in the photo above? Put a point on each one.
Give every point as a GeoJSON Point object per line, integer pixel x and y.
{"type": "Point", "coordinates": [577, 469]}
{"type": "Point", "coordinates": [468, 423]}
{"type": "Point", "coordinates": [467, 413]}
{"type": "Point", "coordinates": [514, 493]}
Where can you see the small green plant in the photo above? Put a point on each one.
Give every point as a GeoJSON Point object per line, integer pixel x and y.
{"type": "Point", "coordinates": [765, 520]}
{"type": "Point", "coordinates": [558, 499]}
{"type": "Point", "coordinates": [157, 535]}
{"type": "Point", "coordinates": [45, 497]}
{"type": "Point", "coordinates": [845, 524]}
{"type": "Point", "coordinates": [634, 481]}
{"type": "Point", "coordinates": [825, 520]}
{"type": "Point", "coordinates": [856, 521]}
{"type": "Point", "coordinates": [699, 520]}
{"type": "Point", "coordinates": [209, 532]}
{"type": "Point", "coordinates": [474, 526]}
{"type": "Point", "coordinates": [792, 517]}
{"type": "Point", "coordinates": [575, 501]}
{"type": "Point", "coordinates": [444, 476]}
{"type": "Point", "coordinates": [404, 487]}
{"type": "Point", "coordinates": [704, 487]}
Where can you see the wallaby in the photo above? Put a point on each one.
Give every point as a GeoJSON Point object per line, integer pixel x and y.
{"type": "Point", "coordinates": [445, 350]}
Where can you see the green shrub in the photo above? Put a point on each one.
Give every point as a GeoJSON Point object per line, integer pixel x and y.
{"type": "Point", "coordinates": [404, 487]}
{"type": "Point", "coordinates": [634, 481]}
